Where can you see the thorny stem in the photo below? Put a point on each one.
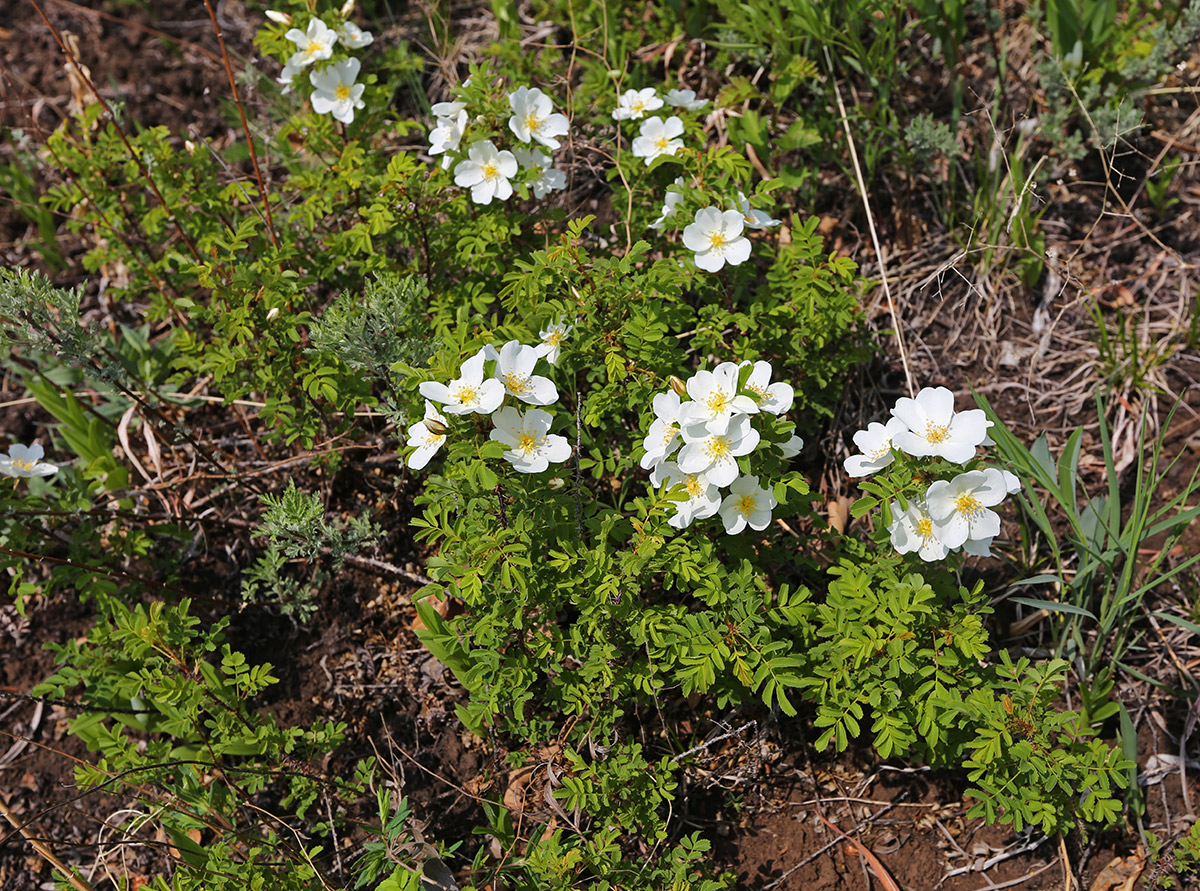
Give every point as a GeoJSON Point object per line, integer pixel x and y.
{"type": "Point", "coordinates": [262, 190]}
{"type": "Point", "coordinates": [119, 131]}
{"type": "Point", "coordinates": [578, 472]}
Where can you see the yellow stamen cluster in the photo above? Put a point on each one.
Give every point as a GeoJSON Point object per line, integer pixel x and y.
{"type": "Point", "coordinates": [716, 240]}
{"type": "Point", "coordinates": [936, 432]}
{"type": "Point", "coordinates": [529, 442]}
{"type": "Point", "coordinates": [342, 92]}
{"type": "Point", "coordinates": [924, 527]}
{"type": "Point", "coordinates": [661, 143]}
{"type": "Point", "coordinates": [489, 170]}
{"type": "Point", "coordinates": [532, 122]}
{"type": "Point", "coordinates": [747, 504]}
{"type": "Point", "coordinates": [23, 464]}
{"type": "Point", "coordinates": [692, 484]}
{"type": "Point", "coordinates": [516, 383]}
{"type": "Point", "coordinates": [717, 402]}
{"type": "Point", "coordinates": [717, 447]}
{"type": "Point", "coordinates": [968, 504]}
{"type": "Point", "coordinates": [465, 395]}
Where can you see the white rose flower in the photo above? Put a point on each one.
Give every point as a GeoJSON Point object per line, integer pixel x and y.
{"type": "Point", "coordinates": [26, 461]}
{"type": "Point", "coordinates": [314, 45]}
{"type": "Point", "coordinates": [747, 504]}
{"type": "Point", "coordinates": [448, 133]}
{"type": "Point", "coordinates": [716, 238]}
{"type": "Point", "coordinates": [704, 499]}
{"type": "Point", "coordinates": [634, 104]}
{"type": "Point", "coordinates": [670, 202]}
{"type": "Point", "coordinates": [548, 179]}
{"type": "Point", "coordinates": [552, 337]}
{"type": "Point", "coordinates": [754, 219]}
{"type": "Point", "coordinates": [959, 508]}
{"type": "Point", "coordinates": [792, 447]}
{"type": "Point", "coordinates": [426, 436]}
{"type": "Point", "coordinates": [935, 429]}
{"type": "Point", "coordinates": [469, 392]}
{"type": "Point", "coordinates": [287, 76]}
{"type": "Point", "coordinates": [354, 37]}
{"type": "Point", "coordinates": [336, 92]}
{"type": "Point", "coordinates": [774, 398]}
{"type": "Point", "coordinates": [875, 443]}
{"type": "Point", "coordinates": [534, 118]}
{"type": "Point", "coordinates": [685, 99]}
{"type": "Point", "coordinates": [514, 369]}
{"type": "Point", "coordinates": [914, 530]}
{"type": "Point", "coordinates": [486, 172]}
{"type": "Point", "coordinates": [658, 137]}
{"type": "Point", "coordinates": [716, 399]}
{"type": "Point", "coordinates": [664, 432]}
{"type": "Point", "coordinates": [716, 454]}
{"type": "Point", "coordinates": [531, 447]}
{"type": "Point", "coordinates": [447, 109]}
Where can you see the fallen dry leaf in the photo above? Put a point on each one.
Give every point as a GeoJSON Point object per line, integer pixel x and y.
{"type": "Point", "coordinates": [1121, 873]}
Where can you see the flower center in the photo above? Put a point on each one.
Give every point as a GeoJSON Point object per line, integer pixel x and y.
{"type": "Point", "coordinates": [669, 434]}
{"type": "Point", "coordinates": [936, 432]}
{"type": "Point", "coordinates": [924, 527]}
{"type": "Point", "coordinates": [692, 484]}
{"type": "Point", "coordinates": [661, 143]}
{"type": "Point", "coordinates": [432, 438]}
{"type": "Point", "coordinates": [758, 394]}
{"type": "Point", "coordinates": [528, 442]}
{"type": "Point", "coordinates": [532, 122]}
{"type": "Point", "coordinates": [489, 170]}
{"type": "Point", "coordinates": [516, 383]}
{"type": "Point", "coordinates": [717, 447]}
{"type": "Point", "coordinates": [638, 106]}
{"type": "Point", "coordinates": [554, 338]}
{"type": "Point", "coordinates": [465, 395]}
{"type": "Point", "coordinates": [23, 464]}
{"type": "Point", "coordinates": [314, 47]}
{"type": "Point", "coordinates": [342, 92]}
{"type": "Point", "coordinates": [717, 402]}
{"type": "Point", "coordinates": [747, 504]}
{"type": "Point", "coordinates": [716, 240]}
{"type": "Point", "coordinates": [968, 504]}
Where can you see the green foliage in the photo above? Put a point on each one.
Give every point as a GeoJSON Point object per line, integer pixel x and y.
{"type": "Point", "coordinates": [296, 530]}
{"type": "Point", "coordinates": [348, 271]}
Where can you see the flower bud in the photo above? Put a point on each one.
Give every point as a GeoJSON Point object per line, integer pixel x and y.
{"type": "Point", "coordinates": [272, 313]}
{"type": "Point", "coordinates": [436, 427]}
{"type": "Point", "coordinates": [556, 483]}
{"type": "Point", "coordinates": [347, 8]}
{"type": "Point", "coordinates": [279, 18]}
{"type": "Point", "coordinates": [190, 146]}
{"type": "Point", "coordinates": [679, 387]}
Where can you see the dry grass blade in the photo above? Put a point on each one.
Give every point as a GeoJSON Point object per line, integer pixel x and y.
{"type": "Point", "coordinates": [879, 254]}
{"type": "Point", "coordinates": [45, 853]}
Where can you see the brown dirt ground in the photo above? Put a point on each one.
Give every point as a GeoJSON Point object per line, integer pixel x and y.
{"type": "Point", "coordinates": [759, 798]}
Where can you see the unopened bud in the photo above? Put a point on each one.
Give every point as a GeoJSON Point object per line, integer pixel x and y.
{"type": "Point", "coordinates": [436, 427]}
{"type": "Point", "coordinates": [190, 146]}
{"type": "Point", "coordinates": [347, 8]}
{"type": "Point", "coordinates": [556, 483]}
{"type": "Point", "coordinates": [272, 313]}
{"type": "Point", "coordinates": [679, 387]}
{"type": "Point", "coordinates": [279, 18]}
